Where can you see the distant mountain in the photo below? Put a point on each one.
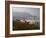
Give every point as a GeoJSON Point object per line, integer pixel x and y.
{"type": "Point", "coordinates": [20, 15]}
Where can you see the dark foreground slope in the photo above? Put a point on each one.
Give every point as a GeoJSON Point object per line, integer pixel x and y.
{"type": "Point", "coordinates": [17, 25]}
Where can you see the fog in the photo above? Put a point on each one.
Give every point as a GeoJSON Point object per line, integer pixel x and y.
{"type": "Point", "coordinates": [32, 11]}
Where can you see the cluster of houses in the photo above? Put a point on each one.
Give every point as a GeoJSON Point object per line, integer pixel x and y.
{"type": "Point", "coordinates": [30, 21]}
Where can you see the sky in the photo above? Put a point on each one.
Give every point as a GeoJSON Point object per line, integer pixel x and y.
{"type": "Point", "coordinates": [32, 11]}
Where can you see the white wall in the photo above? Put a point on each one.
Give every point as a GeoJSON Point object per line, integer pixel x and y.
{"type": "Point", "coordinates": [2, 20]}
